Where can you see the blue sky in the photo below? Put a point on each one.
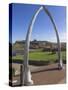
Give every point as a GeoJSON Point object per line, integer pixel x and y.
{"type": "Point", "coordinates": [43, 29]}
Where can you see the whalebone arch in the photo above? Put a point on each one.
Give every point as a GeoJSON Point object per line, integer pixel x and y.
{"type": "Point", "coordinates": [27, 74]}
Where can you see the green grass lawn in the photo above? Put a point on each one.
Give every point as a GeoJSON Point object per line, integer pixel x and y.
{"type": "Point", "coordinates": [39, 55]}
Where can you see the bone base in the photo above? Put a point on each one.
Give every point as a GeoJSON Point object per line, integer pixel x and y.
{"type": "Point", "coordinates": [60, 65]}
{"type": "Point", "coordinates": [27, 77]}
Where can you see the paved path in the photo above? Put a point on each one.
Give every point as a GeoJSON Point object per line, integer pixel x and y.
{"type": "Point", "coordinates": [43, 75]}
{"type": "Point", "coordinates": [62, 81]}
{"type": "Point", "coordinates": [49, 75]}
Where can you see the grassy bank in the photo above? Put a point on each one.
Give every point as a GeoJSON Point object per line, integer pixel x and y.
{"type": "Point", "coordinates": [41, 56]}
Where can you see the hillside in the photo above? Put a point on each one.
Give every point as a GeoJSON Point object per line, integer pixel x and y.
{"type": "Point", "coordinates": [19, 45]}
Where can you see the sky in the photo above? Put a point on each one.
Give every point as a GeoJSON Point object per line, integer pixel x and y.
{"type": "Point", "coordinates": [43, 29]}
